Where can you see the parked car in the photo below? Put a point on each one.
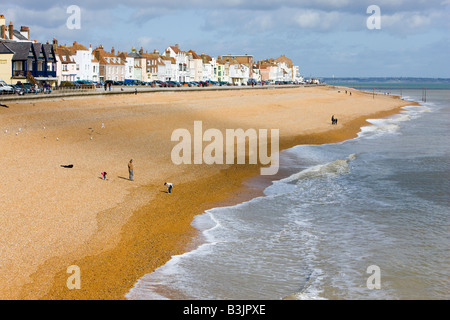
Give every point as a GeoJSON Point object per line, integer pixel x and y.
{"type": "Point", "coordinates": [17, 89]}
{"type": "Point", "coordinates": [173, 84]}
{"type": "Point", "coordinates": [203, 83]}
{"type": "Point", "coordinates": [224, 83]}
{"type": "Point", "coordinates": [4, 88]}
{"type": "Point", "coordinates": [159, 83]}
{"type": "Point", "coordinates": [69, 84]}
{"type": "Point", "coordinates": [193, 84]}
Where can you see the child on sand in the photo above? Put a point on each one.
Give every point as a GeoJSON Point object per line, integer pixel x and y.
{"type": "Point", "coordinates": [169, 186]}
{"type": "Point", "coordinates": [104, 175]}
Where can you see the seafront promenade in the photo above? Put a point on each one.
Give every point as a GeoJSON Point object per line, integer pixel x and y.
{"type": "Point", "coordinates": [115, 90]}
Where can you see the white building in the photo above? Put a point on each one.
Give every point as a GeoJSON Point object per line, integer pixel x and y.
{"type": "Point", "coordinates": [167, 69]}
{"type": "Point", "coordinates": [209, 68]}
{"type": "Point", "coordinates": [239, 74]}
{"type": "Point", "coordinates": [87, 66]}
{"type": "Point", "coordinates": [195, 66]}
{"type": "Point", "coordinates": [182, 73]}
{"type": "Point", "coordinates": [129, 66]}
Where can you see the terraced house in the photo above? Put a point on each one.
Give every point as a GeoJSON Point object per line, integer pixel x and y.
{"type": "Point", "coordinates": [152, 62]}
{"type": "Point", "coordinates": [112, 67]}
{"type": "Point", "coordinates": [23, 60]}
{"type": "Point", "coordinates": [181, 73]}
{"type": "Point", "coordinates": [30, 61]}
{"type": "Point", "coordinates": [66, 66]}
{"type": "Point", "coordinates": [139, 64]}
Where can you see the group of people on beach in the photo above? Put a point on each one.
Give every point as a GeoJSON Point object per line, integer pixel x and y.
{"type": "Point", "coordinates": [131, 176]}
{"type": "Point", "coordinates": [333, 120]}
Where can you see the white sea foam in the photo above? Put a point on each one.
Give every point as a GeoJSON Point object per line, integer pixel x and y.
{"type": "Point", "coordinates": [328, 169]}
{"type": "Point", "coordinates": [391, 125]}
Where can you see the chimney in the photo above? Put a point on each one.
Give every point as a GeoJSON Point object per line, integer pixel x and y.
{"type": "Point", "coordinates": [55, 44]}
{"type": "Point", "coordinates": [25, 31]}
{"type": "Point", "coordinates": [11, 29]}
{"type": "Point", "coordinates": [177, 46]}
{"type": "Point", "coordinates": [156, 51]}
{"type": "Point", "coordinates": [2, 20]}
{"type": "Point", "coordinates": [141, 51]}
{"type": "Point", "coordinates": [3, 31]}
{"type": "Point", "coordinates": [112, 50]}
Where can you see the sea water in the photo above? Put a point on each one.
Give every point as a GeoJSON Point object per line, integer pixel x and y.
{"type": "Point", "coordinates": [381, 199]}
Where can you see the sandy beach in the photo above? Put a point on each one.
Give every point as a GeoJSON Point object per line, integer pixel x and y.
{"type": "Point", "coordinates": [116, 230]}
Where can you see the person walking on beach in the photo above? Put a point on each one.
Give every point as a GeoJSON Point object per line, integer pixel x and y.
{"type": "Point", "coordinates": [104, 175]}
{"type": "Point", "coordinates": [169, 187]}
{"type": "Point", "coordinates": [131, 170]}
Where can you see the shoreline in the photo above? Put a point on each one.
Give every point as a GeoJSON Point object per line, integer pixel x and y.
{"type": "Point", "coordinates": [154, 232]}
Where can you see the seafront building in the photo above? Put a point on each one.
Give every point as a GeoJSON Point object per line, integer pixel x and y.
{"type": "Point", "coordinates": [25, 60]}
{"type": "Point", "coordinates": [66, 67]}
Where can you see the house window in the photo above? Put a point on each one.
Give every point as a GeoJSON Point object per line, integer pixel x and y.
{"type": "Point", "coordinates": [18, 66]}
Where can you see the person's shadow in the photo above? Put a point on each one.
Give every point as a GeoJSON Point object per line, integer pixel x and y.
{"type": "Point", "coordinates": [122, 178]}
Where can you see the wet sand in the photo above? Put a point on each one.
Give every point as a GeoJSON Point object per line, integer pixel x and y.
{"type": "Point", "coordinates": [117, 230]}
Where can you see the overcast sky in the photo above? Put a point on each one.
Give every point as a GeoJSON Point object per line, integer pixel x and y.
{"type": "Point", "coordinates": [323, 37]}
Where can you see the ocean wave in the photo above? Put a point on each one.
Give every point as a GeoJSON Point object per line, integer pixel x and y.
{"type": "Point", "coordinates": [333, 168]}
{"type": "Point", "coordinates": [391, 125]}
